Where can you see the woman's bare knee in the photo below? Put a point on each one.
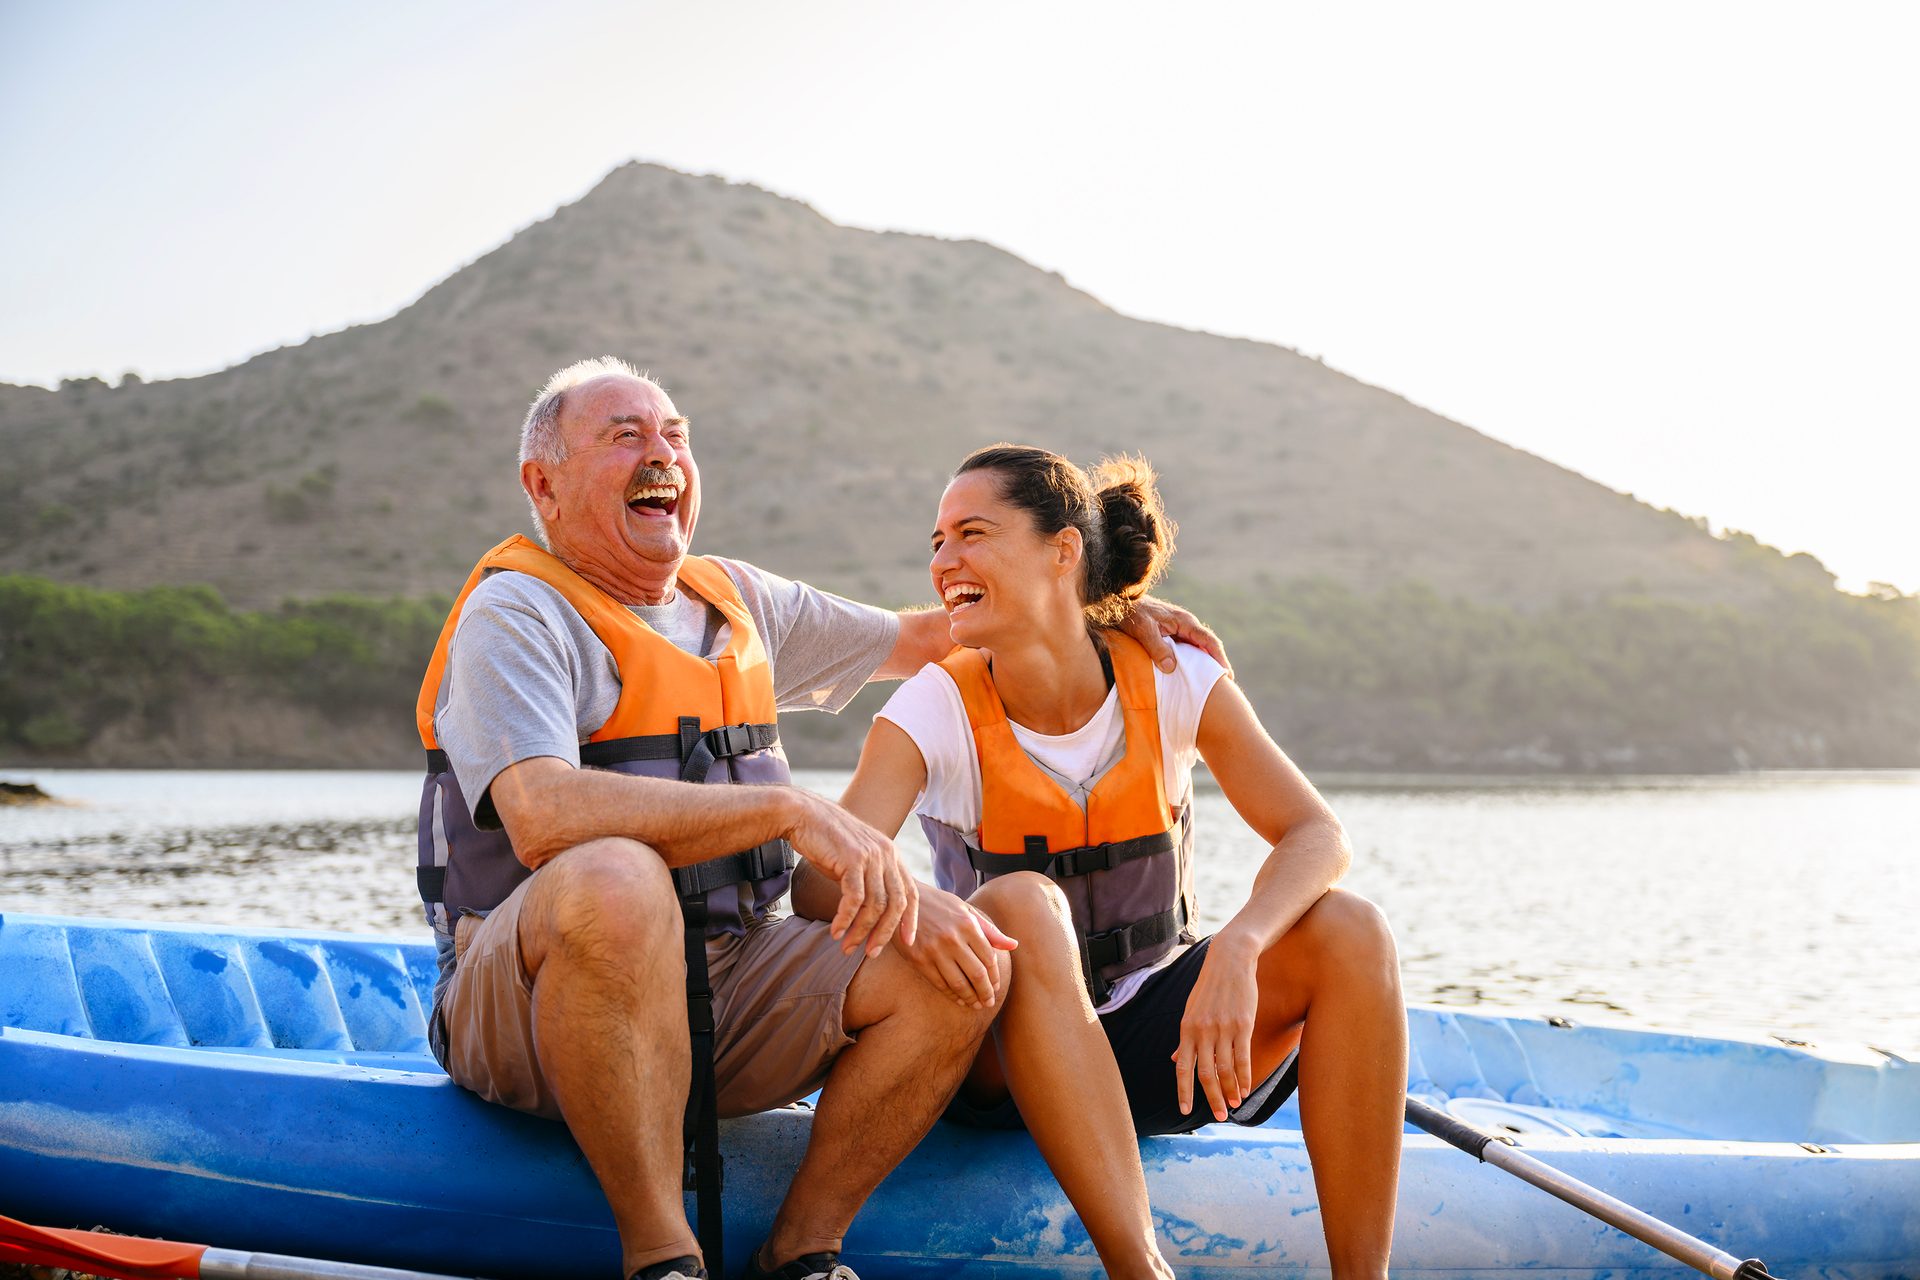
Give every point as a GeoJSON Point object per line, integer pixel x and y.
{"type": "Point", "coordinates": [1021, 900]}
{"type": "Point", "coordinates": [1344, 933]}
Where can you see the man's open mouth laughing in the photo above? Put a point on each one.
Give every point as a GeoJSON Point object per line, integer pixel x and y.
{"type": "Point", "coordinates": [657, 492]}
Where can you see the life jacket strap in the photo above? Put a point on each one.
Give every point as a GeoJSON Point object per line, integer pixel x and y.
{"type": "Point", "coordinates": [1115, 945]}
{"type": "Point", "coordinates": [699, 751]}
{"type": "Point", "coordinates": [724, 743]}
{"type": "Point", "coordinates": [700, 1126]}
{"type": "Point", "coordinates": [762, 862]}
{"type": "Point", "coordinates": [1069, 863]}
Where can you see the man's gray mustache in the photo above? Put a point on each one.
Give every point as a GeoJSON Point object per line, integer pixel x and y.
{"type": "Point", "coordinates": [648, 477]}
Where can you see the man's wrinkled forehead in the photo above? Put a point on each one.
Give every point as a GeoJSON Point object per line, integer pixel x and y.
{"type": "Point", "coordinates": [593, 406]}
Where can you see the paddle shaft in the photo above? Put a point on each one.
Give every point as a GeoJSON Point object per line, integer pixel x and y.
{"type": "Point", "coordinates": [231, 1264]}
{"type": "Point", "coordinates": [1644, 1227]}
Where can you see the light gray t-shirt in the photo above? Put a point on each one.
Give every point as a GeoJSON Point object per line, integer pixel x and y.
{"type": "Point", "coordinates": [526, 676]}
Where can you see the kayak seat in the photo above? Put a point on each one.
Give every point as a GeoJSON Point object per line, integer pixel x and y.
{"type": "Point", "coordinates": [182, 987]}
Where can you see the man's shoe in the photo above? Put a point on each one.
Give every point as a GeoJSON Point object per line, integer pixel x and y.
{"type": "Point", "coordinates": [686, 1267]}
{"type": "Point", "coordinates": [808, 1266]}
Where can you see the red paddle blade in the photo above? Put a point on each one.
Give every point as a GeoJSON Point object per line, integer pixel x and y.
{"type": "Point", "coordinates": [125, 1257]}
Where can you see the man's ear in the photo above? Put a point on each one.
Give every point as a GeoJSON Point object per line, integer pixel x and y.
{"type": "Point", "coordinates": [539, 486]}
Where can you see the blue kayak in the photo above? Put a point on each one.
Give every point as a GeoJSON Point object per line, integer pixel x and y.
{"type": "Point", "coordinates": [272, 1091]}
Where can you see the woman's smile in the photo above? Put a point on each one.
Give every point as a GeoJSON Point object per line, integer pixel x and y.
{"type": "Point", "coordinates": [959, 596]}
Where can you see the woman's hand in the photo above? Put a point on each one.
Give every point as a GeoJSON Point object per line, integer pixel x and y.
{"type": "Point", "coordinates": [1216, 1032]}
{"type": "Point", "coordinates": [1157, 624]}
{"type": "Point", "coordinates": [954, 947]}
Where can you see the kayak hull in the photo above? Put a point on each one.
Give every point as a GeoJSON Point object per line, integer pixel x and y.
{"type": "Point", "coordinates": [371, 1155]}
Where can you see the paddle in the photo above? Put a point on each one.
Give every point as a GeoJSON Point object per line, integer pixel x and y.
{"type": "Point", "coordinates": [1644, 1227]}
{"type": "Point", "coordinates": [133, 1258]}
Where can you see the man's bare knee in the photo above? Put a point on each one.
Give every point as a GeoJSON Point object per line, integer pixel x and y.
{"type": "Point", "coordinates": [888, 987]}
{"type": "Point", "coordinates": [606, 897]}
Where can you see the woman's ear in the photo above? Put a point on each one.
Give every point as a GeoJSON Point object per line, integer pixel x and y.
{"type": "Point", "coordinates": [1068, 549]}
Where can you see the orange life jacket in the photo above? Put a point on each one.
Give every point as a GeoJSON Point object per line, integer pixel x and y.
{"type": "Point", "coordinates": [1124, 861]}
{"type": "Point", "coordinates": [734, 688]}
{"type": "Point", "coordinates": [678, 716]}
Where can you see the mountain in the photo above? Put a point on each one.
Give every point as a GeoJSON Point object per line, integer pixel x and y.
{"type": "Point", "coordinates": [834, 377]}
{"type": "Point", "coordinates": [1398, 590]}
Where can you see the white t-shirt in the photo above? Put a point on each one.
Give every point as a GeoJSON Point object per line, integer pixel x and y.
{"type": "Point", "coordinates": [928, 709]}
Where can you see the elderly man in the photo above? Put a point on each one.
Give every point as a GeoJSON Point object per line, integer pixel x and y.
{"type": "Point", "coordinates": [604, 916]}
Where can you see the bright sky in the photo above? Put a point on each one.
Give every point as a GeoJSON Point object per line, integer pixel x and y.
{"type": "Point", "coordinates": [1669, 245]}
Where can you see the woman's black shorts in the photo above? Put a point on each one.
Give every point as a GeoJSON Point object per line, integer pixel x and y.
{"type": "Point", "coordinates": [1144, 1033]}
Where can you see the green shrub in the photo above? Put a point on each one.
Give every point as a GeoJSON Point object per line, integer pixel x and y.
{"type": "Point", "coordinates": [74, 660]}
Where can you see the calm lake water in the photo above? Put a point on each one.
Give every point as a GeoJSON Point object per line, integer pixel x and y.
{"type": "Point", "coordinates": [1774, 903]}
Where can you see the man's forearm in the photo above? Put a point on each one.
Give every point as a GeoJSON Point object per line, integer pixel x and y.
{"type": "Point", "coordinates": [548, 806]}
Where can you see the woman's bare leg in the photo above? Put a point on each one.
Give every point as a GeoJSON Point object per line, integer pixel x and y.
{"type": "Point", "coordinates": [1337, 972]}
{"type": "Point", "coordinates": [1080, 1123]}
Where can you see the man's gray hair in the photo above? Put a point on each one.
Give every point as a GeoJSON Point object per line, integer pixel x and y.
{"type": "Point", "coordinates": [540, 437]}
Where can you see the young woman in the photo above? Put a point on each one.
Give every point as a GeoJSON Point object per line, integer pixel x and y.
{"type": "Point", "coordinates": [1047, 745]}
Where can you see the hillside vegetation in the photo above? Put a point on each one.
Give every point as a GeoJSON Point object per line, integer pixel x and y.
{"type": "Point", "coordinates": [1401, 680]}
{"type": "Point", "coordinates": [1399, 590]}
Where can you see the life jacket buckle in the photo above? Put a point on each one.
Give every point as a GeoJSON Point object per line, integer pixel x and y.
{"type": "Point", "coordinates": [764, 861]}
{"type": "Point", "coordinates": [1115, 945]}
{"type": "Point", "coordinates": [730, 740]}
{"type": "Point", "coordinates": [1085, 860]}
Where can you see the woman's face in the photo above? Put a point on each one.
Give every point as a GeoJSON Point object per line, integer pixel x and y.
{"type": "Point", "coordinates": [991, 567]}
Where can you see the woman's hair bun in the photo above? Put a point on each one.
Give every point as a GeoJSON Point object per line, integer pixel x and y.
{"type": "Point", "coordinates": [1139, 533]}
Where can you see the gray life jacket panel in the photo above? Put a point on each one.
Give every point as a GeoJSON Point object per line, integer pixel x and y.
{"type": "Point", "coordinates": [465, 867]}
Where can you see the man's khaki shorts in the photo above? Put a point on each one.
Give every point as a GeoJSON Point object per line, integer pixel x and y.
{"type": "Point", "coordinates": [779, 995]}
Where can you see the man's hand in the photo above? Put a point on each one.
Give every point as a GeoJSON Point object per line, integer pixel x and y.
{"type": "Point", "coordinates": [877, 897]}
{"type": "Point", "coordinates": [1156, 624]}
{"type": "Point", "coordinates": [954, 948]}
{"type": "Point", "coordinates": [1216, 1032]}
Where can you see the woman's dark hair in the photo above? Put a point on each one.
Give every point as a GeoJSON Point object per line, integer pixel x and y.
{"type": "Point", "coordinates": [1126, 532]}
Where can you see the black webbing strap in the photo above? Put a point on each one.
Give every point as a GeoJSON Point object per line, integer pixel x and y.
{"type": "Point", "coordinates": [1102, 949]}
{"type": "Point", "coordinates": [762, 862]}
{"type": "Point", "coordinates": [699, 750]}
{"type": "Point", "coordinates": [695, 750]}
{"type": "Point", "coordinates": [1070, 862]}
{"type": "Point", "coordinates": [597, 755]}
{"type": "Point", "coordinates": [602, 755]}
{"type": "Point", "coordinates": [701, 1127]}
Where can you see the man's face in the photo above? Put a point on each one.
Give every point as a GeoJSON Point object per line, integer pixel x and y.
{"type": "Point", "coordinates": [628, 492]}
